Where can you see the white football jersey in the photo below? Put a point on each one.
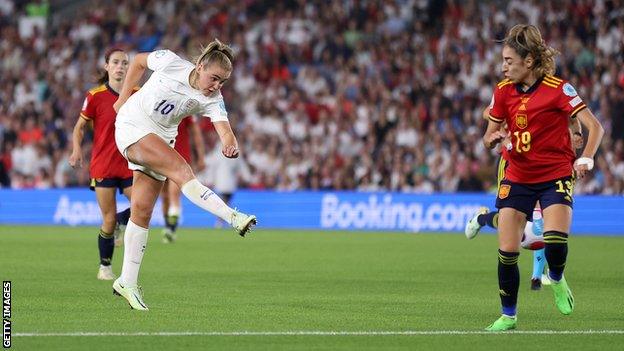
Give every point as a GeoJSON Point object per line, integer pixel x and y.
{"type": "Point", "coordinates": [167, 97]}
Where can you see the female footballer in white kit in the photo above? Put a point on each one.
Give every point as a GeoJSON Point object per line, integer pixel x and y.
{"type": "Point", "coordinates": [145, 132]}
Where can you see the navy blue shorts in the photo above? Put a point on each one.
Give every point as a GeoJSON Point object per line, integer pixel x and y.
{"type": "Point", "coordinates": [120, 183]}
{"type": "Point", "coordinates": [523, 197]}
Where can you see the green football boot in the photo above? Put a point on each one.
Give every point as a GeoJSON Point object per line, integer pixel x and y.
{"type": "Point", "coordinates": [563, 296]}
{"type": "Point", "coordinates": [503, 323]}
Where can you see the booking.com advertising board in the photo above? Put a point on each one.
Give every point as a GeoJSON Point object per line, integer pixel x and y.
{"type": "Point", "coordinates": [593, 215]}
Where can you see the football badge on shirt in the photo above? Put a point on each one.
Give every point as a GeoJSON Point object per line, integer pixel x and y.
{"type": "Point", "coordinates": [190, 106]}
{"type": "Point", "coordinates": [503, 191]}
{"type": "Point", "coordinates": [569, 90]}
{"type": "Point", "coordinates": [522, 121]}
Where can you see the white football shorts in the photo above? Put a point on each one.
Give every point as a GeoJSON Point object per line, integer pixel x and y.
{"type": "Point", "coordinates": [128, 132]}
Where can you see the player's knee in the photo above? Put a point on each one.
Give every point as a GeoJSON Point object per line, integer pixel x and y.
{"type": "Point", "coordinates": [182, 175]}
{"type": "Point", "coordinates": [141, 212]}
{"type": "Point", "coordinates": [108, 221]}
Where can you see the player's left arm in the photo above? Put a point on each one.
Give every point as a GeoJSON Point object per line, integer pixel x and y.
{"type": "Point", "coordinates": [576, 130]}
{"type": "Point", "coordinates": [594, 136]}
{"type": "Point", "coordinates": [198, 142]}
{"type": "Point", "coordinates": [228, 139]}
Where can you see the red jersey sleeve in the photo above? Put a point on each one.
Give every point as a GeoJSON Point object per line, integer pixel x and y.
{"type": "Point", "coordinates": [88, 107]}
{"type": "Point", "coordinates": [498, 112]}
{"type": "Point", "coordinates": [569, 101]}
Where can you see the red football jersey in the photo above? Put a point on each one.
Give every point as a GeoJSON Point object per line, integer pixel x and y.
{"type": "Point", "coordinates": [106, 161]}
{"type": "Point", "coordinates": [538, 121]}
{"type": "Point", "coordinates": [183, 142]}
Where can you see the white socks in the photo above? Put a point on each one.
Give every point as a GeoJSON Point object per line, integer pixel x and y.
{"type": "Point", "coordinates": [174, 211]}
{"type": "Point", "coordinates": [135, 240]}
{"type": "Point", "coordinates": [205, 198]}
{"type": "Point", "coordinates": [135, 237]}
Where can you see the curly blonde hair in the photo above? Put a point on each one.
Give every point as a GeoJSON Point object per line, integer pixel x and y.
{"type": "Point", "coordinates": [526, 40]}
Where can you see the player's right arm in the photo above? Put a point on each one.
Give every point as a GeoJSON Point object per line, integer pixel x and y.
{"type": "Point", "coordinates": [134, 75]}
{"type": "Point", "coordinates": [486, 116]}
{"type": "Point", "coordinates": [493, 135]}
{"type": "Point", "coordinates": [495, 132]}
{"type": "Point", "coordinates": [75, 159]}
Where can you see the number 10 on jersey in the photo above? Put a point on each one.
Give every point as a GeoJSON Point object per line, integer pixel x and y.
{"type": "Point", "coordinates": [164, 108]}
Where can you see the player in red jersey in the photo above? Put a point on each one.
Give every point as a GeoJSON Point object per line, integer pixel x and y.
{"type": "Point", "coordinates": [532, 238]}
{"type": "Point", "coordinates": [537, 108]}
{"type": "Point", "coordinates": [108, 169]}
{"type": "Point", "coordinates": [171, 193]}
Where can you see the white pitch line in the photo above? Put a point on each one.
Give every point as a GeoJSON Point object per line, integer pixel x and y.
{"type": "Point", "coordinates": [329, 333]}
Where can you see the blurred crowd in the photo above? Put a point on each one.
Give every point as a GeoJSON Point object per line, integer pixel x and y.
{"type": "Point", "coordinates": [354, 94]}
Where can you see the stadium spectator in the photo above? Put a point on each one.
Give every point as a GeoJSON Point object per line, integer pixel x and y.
{"type": "Point", "coordinates": [360, 72]}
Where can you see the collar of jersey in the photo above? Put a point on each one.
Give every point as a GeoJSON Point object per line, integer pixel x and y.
{"type": "Point", "coordinates": [111, 89]}
{"type": "Point", "coordinates": [531, 88]}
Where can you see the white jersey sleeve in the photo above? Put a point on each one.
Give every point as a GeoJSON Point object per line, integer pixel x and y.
{"type": "Point", "coordinates": [159, 59]}
{"type": "Point", "coordinates": [170, 65]}
{"type": "Point", "coordinates": [215, 110]}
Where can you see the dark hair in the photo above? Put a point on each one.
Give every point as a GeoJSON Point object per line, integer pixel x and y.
{"type": "Point", "coordinates": [526, 39]}
{"type": "Point", "coordinates": [103, 75]}
{"type": "Point", "coordinates": [217, 52]}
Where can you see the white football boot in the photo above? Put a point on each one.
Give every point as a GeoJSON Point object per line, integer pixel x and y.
{"type": "Point", "coordinates": [106, 273]}
{"type": "Point", "coordinates": [242, 222]}
{"type": "Point", "coordinates": [133, 294]}
{"type": "Point", "coordinates": [472, 227]}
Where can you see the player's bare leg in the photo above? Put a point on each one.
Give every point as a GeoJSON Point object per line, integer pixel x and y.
{"type": "Point", "coordinates": [151, 151]}
{"type": "Point", "coordinates": [146, 191]}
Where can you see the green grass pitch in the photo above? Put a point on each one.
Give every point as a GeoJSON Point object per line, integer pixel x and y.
{"type": "Point", "coordinates": [439, 289]}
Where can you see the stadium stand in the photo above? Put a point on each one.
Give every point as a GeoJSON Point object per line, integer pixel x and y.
{"type": "Point", "coordinates": [360, 95]}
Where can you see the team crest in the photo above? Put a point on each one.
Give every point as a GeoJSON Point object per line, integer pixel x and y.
{"type": "Point", "coordinates": [190, 105]}
{"type": "Point", "coordinates": [522, 121]}
{"type": "Point", "coordinates": [503, 191]}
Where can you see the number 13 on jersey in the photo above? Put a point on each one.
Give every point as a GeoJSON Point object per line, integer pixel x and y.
{"type": "Point", "coordinates": [523, 141]}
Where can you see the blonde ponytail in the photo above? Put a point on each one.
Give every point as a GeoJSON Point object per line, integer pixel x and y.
{"type": "Point", "coordinates": [217, 53]}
